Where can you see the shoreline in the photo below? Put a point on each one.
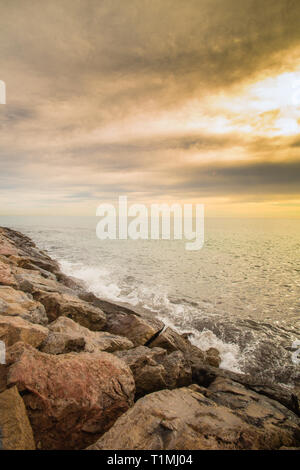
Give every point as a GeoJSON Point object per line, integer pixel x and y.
{"type": "Point", "coordinates": [82, 371]}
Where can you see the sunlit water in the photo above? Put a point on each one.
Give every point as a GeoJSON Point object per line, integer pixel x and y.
{"type": "Point", "coordinates": [240, 293]}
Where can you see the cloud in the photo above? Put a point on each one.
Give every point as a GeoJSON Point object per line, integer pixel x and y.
{"type": "Point", "coordinates": [148, 97]}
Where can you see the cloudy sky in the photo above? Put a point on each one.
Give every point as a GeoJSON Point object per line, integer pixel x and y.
{"type": "Point", "coordinates": [160, 100]}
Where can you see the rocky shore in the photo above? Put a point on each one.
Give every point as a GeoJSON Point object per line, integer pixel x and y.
{"type": "Point", "coordinates": [81, 373]}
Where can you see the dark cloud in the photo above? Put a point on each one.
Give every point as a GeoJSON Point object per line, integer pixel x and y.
{"type": "Point", "coordinates": [74, 69]}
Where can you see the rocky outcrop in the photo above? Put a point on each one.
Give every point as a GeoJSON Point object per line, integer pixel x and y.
{"type": "Point", "coordinates": [57, 304]}
{"type": "Point", "coordinates": [14, 329]}
{"type": "Point", "coordinates": [15, 429]}
{"type": "Point", "coordinates": [65, 336]}
{"type": "Point", "coordinates": [135, 328]}
{"type": "Point", "coordinates": [70, 399]}
{"type": "Point", "coordinates": [186, 419]}
{"type": "Point", "coordinates": [74, 361]}
{"type": "Point", "coordinates": [153, 369]}
{"type": "Point", "coordinates": [172, 341]}
{"type": "Point", "coordinates": [16, 303]}
{"type": "Point", "coordinates": [6, 276]}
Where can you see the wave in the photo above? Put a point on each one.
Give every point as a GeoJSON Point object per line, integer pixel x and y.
{"type": "Point", "coordinates": [176, 315]}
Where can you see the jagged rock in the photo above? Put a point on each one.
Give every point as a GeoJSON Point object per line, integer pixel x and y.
{"type": "Point", "coordinates": [212, 357]}
{"type": "Point", "coordinates": [185, 419]}
{"type": "Point", "coordinates": [14, 329]}
{"type": "Point", "coordinates": [67, 335]}
{"type": "Point", "coordinates": [16, 303]}
{"type": "Point", "coordinates": [62, 343]}
{"type": "Point", "coordinates": [70, 306]}
{"type": "Point", "coordinates": [15, 429]}
{"type": "Point", "coordinates": [39, 263]}
{"type": "Point", "coordinates": [71, 399]}
{"type": "Point", "coordinates": [204, 375]}
{"type": "Point", "coordinates": [135, 328]}
{"type": "Point", "coordinates": [6, 247]}
{"type": "Point", "coordinates": [254, 406]}
{"type": "Point", "coordinates": [33, 282]}
{"type": "Point", "coordinates": [173, 341]}
{"type": "Point", "coordinates": [6, 276]}
{"type": "Point", "coordinates": [154, 370]}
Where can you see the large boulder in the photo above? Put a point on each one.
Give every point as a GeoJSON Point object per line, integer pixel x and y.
{"type": "Point", "coordinates": [204, 375]}
{"type": "Point", "coordinates": [136, 328]}
{"type": "Point", "coordinates": [65, 335]}
{"type": "Point", "coordinates": [14, 329]}
{"type": "Point", "coordinates": [71, 399]}
{"type": "Point", "coordinates": [16, 303]}
{"type": "Point", "coordinates": [185, 419]}
{"type": "Point", "coordinates": [154, 370]}
{"type": "Point", "coordinates": [57, 304]}
{"type": "Point", "coordinates": [15, 429]}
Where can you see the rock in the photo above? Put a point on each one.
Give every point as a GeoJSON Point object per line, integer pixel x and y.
{"type": "Point", "coordinates": [6, 247]}
{"type": "Point", "coordinates": [33, 282]}
{"type": "Point", "coordinates": [23, 246]}
{"type": "Point", "coordinates": [184, 419]}
{"type": "Point", "coordinates": [154, 370]}
{"type": "Point", "coordinates": [212, 357]}
{"type": "Point", "coordinates": [70, 306]}
{"type": "Point", "coordinates": [67, 335]}
{"type": "Point", "coordinates": [14, 329]}
{"type": "Point", "coordinates": [135, 328]}
{"type": "Point", "coordinates": [6, 276]}
{"type": "Point", "coordinates": [36, 263]}
{"type": "Point", "coordinates": [255, 408]}
{"type": "Point", "coordinates": [16, 303]}
{"type": "Point", "coordinates": [204, 375]}
{"type": "Point", "coordinates": [71, 399]}
{"type": "Point", "coordinates": [170, 340]}
{"type": "Point", "coordinates": [15, 429]}
{"type": "Point", "coordinates": [3, 376]}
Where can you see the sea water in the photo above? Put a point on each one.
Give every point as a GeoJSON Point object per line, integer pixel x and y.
{"type": "Point", "coordinates": [239, 293]}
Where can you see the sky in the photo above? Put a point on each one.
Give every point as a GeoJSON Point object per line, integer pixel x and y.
{"type": "Point", "coordinates": [164, 101]}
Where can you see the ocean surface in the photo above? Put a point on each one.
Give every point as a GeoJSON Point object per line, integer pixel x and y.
{"type": "Point", "coordinates": [239, 293]}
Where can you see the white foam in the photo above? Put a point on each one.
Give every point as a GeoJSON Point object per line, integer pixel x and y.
{"type": "Point", "coordinates": [176, 316]}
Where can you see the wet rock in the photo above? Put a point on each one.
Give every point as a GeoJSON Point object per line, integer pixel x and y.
{"type": "Point", "coordinates": [154, 370]}
{"type": "Point", "coordinates": [71, 399]}
{"type": "Point", "coordinates": [185, 419]}
{"type": "Point", "coordinates": [16, 303]}
{"type": "Point", "coordinates": [57, 304]}
{"type": "Point", "coordinates": [237, 396]}
{"type": "Point", "coordinates": [204, 375]}
{"type": "Point", "coordinates": [212, 357]}
{"type": "Point", "coordinates": [14, 329]}
{"type": "Point", "coordinates": [15, 429]}
{"type": "Point", "coordinates": [134, 327]}
{"type": "Point", "coordinates": [172, 341]}
{"type": "Point", "coordinates": [67, 335]}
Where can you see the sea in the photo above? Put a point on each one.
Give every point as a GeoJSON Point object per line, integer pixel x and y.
{"type": "Point", "coordinates": [240, 293]}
